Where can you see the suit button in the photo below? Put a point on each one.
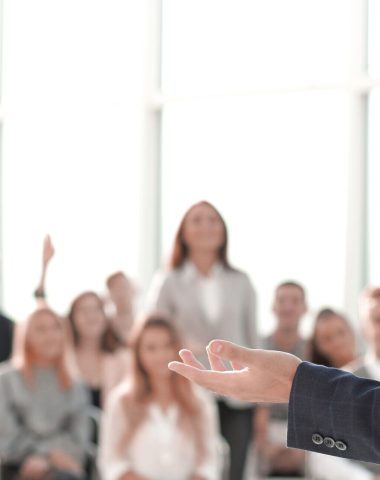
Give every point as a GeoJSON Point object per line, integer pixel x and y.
{"type": "Point", "coordinates": [329, 442]}
{"type": "Point", "coordinates": [341, 445]}
{"type": "Point", "coordinates": [317, 439]}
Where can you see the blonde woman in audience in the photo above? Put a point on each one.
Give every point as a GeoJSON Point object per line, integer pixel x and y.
{"type": "Point", "coordinates": [101, 357]}
{"type": "Point", "coordinates": [323, 467]}
{"type": "Point", "coordinates": [98, 351]}
{"type": "Point", "coordinates": [43, 419]}
{"type": "Point", "coordinates": [208, 298]}
{"type": "Point", "coordinates": [157, 426]}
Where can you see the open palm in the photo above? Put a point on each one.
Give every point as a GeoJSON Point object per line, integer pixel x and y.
{"type": "Point", "coordinates": [255, 375]}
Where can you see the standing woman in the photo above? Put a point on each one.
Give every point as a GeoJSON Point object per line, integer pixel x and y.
{"type": "Point", "coordinates": [43, 419]}
{"type": "Point", "coordinates": [208, 298]}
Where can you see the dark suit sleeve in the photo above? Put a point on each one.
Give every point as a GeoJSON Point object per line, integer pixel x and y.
{"type": "Point", "coordinates": [334, 412]}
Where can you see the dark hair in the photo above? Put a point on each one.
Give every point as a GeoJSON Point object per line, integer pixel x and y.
{"type": "Point", "coordinates": [291, 283]}
{"type": "Point", "coordinates": [110, 340]}
{"type": "Point", "coordinates": [316, 356]}
{"type": "Point", "coordinates": [180, 250]}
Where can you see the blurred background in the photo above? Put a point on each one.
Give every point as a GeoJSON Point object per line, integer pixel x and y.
{"type": "Point", "coordinates": [117, 115]}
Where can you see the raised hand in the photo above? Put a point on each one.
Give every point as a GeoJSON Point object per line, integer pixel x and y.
{"type": "Point", "coordinates": [34, 467]}
{"type": "Point", "coordinates": [63, 461]}
{"type": "Point", "coordinates": [256, 375]}
{"type": "Point", "coordinates": [48, 251]}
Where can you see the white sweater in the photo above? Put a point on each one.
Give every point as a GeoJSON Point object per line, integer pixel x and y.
{"type": "Point", "coordinates": [159, 450]}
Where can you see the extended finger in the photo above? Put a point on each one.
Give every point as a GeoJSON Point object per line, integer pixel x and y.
{"type": "Point", "coordinates": [215, 361]}
{"type": "Point", "coordinates": [239, 356]}
{"type": "Point", "coordinates": [188, 358]}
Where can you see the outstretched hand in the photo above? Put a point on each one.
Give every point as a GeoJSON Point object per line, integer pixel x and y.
{"type": "Point", "coordinates": [256, 375]}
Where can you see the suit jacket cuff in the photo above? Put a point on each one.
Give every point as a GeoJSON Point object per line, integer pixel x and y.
{"type": "Point", "coordinates": [337, 405]}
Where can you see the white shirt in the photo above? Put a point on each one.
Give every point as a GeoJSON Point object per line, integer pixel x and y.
{"type": "Point", "coordinates": [209, 288]}
{"type": "Point", "coordinates": [159, 450]}
{"type": "Point", "coordinates": [373, 365]}
{"type": "Point", "coordinates": [327, 467]}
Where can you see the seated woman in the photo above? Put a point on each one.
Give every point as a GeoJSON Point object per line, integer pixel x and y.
{"type": "Point", "coordinates": [333, 342]}
{"type": "Point", "coordinates": [98, 350]}
{"type": "Point", "coordinates": [99, 354]}
{"type": "Point", "coordinates": [156, 425]}
{"type": "Point", "coordinates": [43, 419]}
{"type": "Point", "coordinates": [119, 303]}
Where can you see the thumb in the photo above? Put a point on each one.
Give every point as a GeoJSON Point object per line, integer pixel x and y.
{"type": "Point", "coordinates": [230, 351]}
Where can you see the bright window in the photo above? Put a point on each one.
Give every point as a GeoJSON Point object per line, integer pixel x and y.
{"type": "Point", "coordinates": [236, 45]}
{"type": "Point", "coordinates": [256, 119]}
{"type": "Point", "coordinates": [276, 168]}
{"type": "Point", "coordinates": [373, 190]}
{"type": "Point", "coordinates": [72, 86]}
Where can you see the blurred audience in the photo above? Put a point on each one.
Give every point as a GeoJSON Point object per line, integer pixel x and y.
{"type": "Point", "coordinates": [208, 298]}
{"type": "Point", "coordinates": [100, 355]}
{"type": "Point", "coordinates": [332, 342]}
{"type": "Point", "coordinates": [270, 424]}
{"type": "Point", "coordinates": [157, 425]}
{"type": "Point", "coordinates": [119, 305]}
{"type": "Point", "coordinates": [43, 419]}
{"type": "Point", "coordinates": [322, 467]}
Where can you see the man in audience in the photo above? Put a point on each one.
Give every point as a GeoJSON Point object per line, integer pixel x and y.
{"type": "Point", "coordinates": [275, 459]}
{"type": "Point", "coordinates": [289, 306]}
{"type": "Point", "coordinates": [6, 337]}
{"type": "Point", "coordinates": [121, 293]}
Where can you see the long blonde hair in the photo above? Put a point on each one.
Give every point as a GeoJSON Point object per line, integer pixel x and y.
{"type": "Point", "coordinates": [23, 357]}
{"type": "Point", "coordinates": [138, 396]}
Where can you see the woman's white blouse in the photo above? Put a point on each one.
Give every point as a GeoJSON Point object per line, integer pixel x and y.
{"type": "Point", "coordinates": [327, 467]}
{"type": "Point", "coordinates": [159, 450]}
{"type": "Point", "coordinates": [209, 288]}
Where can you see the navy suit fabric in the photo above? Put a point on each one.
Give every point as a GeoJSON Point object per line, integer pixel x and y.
{"type": "Point", "coordinates": [335, 404]}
